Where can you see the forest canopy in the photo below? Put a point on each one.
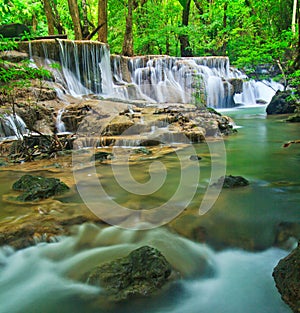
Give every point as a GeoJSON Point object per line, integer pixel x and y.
{"type": "Point", "coordinates": [249, 32]}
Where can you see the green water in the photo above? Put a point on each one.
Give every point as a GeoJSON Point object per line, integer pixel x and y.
{"type": "Point", "coordinates": [246, 217]}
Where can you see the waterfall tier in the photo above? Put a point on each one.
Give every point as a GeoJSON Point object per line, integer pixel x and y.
{"type": "Point", "coordinates": [87, 67]}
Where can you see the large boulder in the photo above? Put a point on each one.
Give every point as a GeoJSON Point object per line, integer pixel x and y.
{"type": "Point", "coordinates": [143, 272]}
{"type": "Point", "coordinates": [38, 187]}
{"type": "Point", "coordinates": [287, 278]}
{"type": "Point", "coordinates": [282, 103]}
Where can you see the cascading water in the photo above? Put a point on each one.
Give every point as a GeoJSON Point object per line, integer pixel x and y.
{"type": "Point", "coordinates": [60, 125]}
{"type": "Point", "coordinates": [12, 125]}
{"type": "Point", "coordinates": [88, 68]}
{"type": "Point", "coordinates": [48, 277]}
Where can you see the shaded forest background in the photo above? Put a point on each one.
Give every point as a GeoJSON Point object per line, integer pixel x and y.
{"type": "Point", "coordinates": [249, 32]}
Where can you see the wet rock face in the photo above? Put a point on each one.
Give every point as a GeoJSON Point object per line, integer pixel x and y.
{"type": "Point", "coordinates": [38, 187]}
{"type": "Point", "coordinates": [287, 278]}
{"type": "Point", "coordinates": [281, 104]}
{"type": "Point", "coordinates": [143, 272]}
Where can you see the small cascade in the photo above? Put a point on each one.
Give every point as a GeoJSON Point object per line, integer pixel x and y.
{"type": "Point", "coordinates": [60, 125]}
{"type": "Point", "coordinates": [12, 125]}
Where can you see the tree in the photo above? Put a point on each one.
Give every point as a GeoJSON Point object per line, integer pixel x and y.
{"type": "Point", "coordinates": [128, 36]}
{"type": "Point", "coordinates": [74, 12]}
{"type": "Point", "coordinates": [102, 20]}
{"type": "Point", "coordinates": [49, 16]}
{"type": "Point", "coordinates": [53, 17]}
{"type": "Point", "coordinates": [185, 47]}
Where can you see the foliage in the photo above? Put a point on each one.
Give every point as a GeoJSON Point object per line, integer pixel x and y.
{"type": "Point", "coordinates": [240, 29]}
{"type": "Point", "coordinates": [16, 76]}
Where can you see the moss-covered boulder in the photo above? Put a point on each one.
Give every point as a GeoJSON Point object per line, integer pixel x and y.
{"type": "Point", "coordinates": [38, 187]}
{"type": "Point", "coordinates": [143, 272]}
{"type": "Point", "coordinates": [287, 278]}
{"type": "Point", "coordinates": [282, 103]}
{"type": "Point", "coordinates": [231, 181]}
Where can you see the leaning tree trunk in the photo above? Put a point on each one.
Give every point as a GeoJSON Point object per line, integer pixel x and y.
{"type": "Point", "coordinates": [128, 36]}
{"type": "Point", "coordinates": [74, 12]}
{"type": "Point", "coordinates": [102, 20]}
{"type": "Point", "coordinates": [49, 17]}
{"type": "Point", "coordinates": [185, 48]}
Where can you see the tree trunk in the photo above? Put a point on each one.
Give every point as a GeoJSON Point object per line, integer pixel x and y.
{"type": "Point", "coordinates": [185, 48]}
{"type": "Point", "coordinates": [296, 64]}
{"type": "Point", "coordinates": [85, 28]}
{"type": "Point", "coordinates": [294, 16]}
{"type": "Point", "coordinates": [49, 17]}
{"type": "Point", "coordinates": [128, 36]}
{"type": "Point", "coordinates": [102, 20]}
{"type": "Point", "coordinates": [74, 12]}
{"type": "Point", "coordinates": [57, 21]}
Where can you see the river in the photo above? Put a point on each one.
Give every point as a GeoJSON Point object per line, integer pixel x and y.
{"type": "Point", "coordinates": [226, 256]}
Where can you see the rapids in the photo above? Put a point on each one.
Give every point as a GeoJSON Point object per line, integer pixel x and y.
{"type": "Point", "coordinates": [46, 278]}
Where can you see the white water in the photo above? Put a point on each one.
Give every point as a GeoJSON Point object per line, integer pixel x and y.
{"type": "Point", "coordinates": [12, 126]}
{"type": "Point", "coordinates": [88, 68]}
{"type": "Point", "coordinates": [46, 278]}
{"type": "Point", "coordinates": [60, 125]}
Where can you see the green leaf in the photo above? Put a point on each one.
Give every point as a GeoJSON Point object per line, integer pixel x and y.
{"type": "Point", "coordinates": [183, 3]}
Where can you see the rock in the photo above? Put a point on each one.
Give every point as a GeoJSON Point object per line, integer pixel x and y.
{"type": "Point", "coordinates": [13, 30]}
{"type": "Point", "coordinates": [294, 118]}
{"type": "Point", "coordinates": [101, 156]}
{"type": "Point", "coordinates": [38, 187]}
{"type": "Point", "coordinates": [287, 278]}
{"type": "Point", "coordinates": [280, 104]}
{"type": "Point", "coordinates": [195, 157]}
{"type": "Point", "coordinates": [14, 56]}
{"type": "Point", "coordinates": [232, 181]}
{"type": "Point", "coordinates": [33, 228]}
{"type": "Point", "coordinates": [142, 150]}
{"type": "Point", "coordinates": [237, 84]}
{"type": "Point", "coordinates": [143, 272]}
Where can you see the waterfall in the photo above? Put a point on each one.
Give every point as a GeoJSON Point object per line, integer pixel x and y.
{"type": "Point", "coordinates": [88, 68]}
{"type": "Point", "coordinates": [12, 125]}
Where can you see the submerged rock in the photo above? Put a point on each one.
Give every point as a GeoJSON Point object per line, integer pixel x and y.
{"type": "Point", "coordinates": [232, 181]}
{"type": "Point", "coordinates": [282, 103]}
{"type": "Point", "coordinates": [287, 278]}
{"type": "Point", "coordinates": [101, 156]}
{"type": "Point", "coordinates": [38, 187]}
{"type": "Point", "coordinates": [143, 272]}
{"type": "Point", "coordinates": [294, 118]}
{"type": "Point", "coordinates": [195, 157]}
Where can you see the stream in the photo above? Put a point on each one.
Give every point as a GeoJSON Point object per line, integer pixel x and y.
{"type": "Point", "coordinates": [225, 256]}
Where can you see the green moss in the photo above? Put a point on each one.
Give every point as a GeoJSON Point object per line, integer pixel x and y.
{"type": "Point", "coordinates": [38, 187]}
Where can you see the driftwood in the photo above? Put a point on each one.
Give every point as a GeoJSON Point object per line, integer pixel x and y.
{"type": "Point", "coordinates": [287, 144]}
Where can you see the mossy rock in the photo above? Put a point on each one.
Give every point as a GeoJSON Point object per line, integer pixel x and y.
{"type": "Point", "coordinates": [142, 273]}
{"type": "Point", "coordinates": [38, 187]}
{"type": "Point", "coordinates": [287, 277]}
{"type": "Point", "coordinates": [282, 103]}
{"type": "Point", "coordinates": [231, 181]}
{"type": "Point", "coordinates": [101, 156]}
